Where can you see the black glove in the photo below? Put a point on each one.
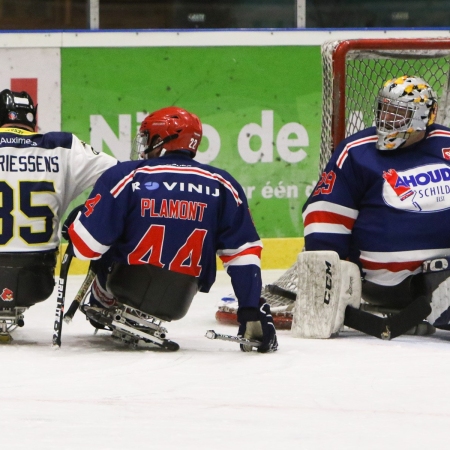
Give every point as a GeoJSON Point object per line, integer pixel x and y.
{"type": "Point", "coordinates": [70, 219]}
{"type": "Point", "coordinates": [257, 324]}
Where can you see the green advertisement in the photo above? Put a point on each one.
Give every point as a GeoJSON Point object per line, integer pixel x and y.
{"type": "Point", "coordinates": [260, 108]}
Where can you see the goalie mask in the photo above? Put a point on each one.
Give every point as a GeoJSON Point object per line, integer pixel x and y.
{"type": "Point", "coordinates": [404, 107]}
{"type": "Point", "coordinates": [169, 128]}
{"type": "Point", "coordinates": [17, 108]}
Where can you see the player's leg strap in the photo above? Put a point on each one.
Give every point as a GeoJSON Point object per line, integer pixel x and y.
{"type": "Point", "coordinates": [153, 290]}
{"type": "Point", "coordinates": [26, 278]}
{"type": "Point", "coordinates": [326, 286]}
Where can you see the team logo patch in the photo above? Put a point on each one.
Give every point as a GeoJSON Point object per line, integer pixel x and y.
{"type": "Point", "coordinates": [151, 185]}
{"type": "Point", "coordinates": [420, 189]}
{"type": "Point", "coordinates": [12, 115]}
{"type": "Point", "coordinates": [7, 295]}
{"type": "Point", "coordinates": [446, 153]}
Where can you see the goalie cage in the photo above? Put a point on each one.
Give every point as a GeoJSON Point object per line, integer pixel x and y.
{"type": "Point", "coordinates": [352, 73]}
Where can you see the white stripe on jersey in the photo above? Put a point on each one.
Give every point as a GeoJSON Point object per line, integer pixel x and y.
{"type": "Point", "coordinates": [243, 260]}
{"type": "Point", "coordinates": [235, 251]}
{"type": "Point", "coordinates": [88, 240]}
{"type": "Point", "coordinates": [410, 255]}
{"type": "Point", "coordinates": [326, 228]}
{"type": "Point", "coordinates": [439, 133]}
{"type": "Point", "coordinates": [350, 145]}
{"type": "Point", "coordinates": [119, 187]}
{"type": "Point", "coordinates": [387, 277]}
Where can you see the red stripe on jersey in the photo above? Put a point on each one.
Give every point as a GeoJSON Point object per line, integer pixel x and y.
{"type": "Point", "coordinates": [248, 251]}
{"type": "Point", "coordinates": [80, 245]}
{"type": "Point", "coordinates": [329, 217]}
{"type": "Point", "coordinates": [391, 266]}
{"type": "Point", "coordinates": [116, 190]}
{"type": "Point", "coordinates": [439, 133]}
{"type": "Point", "coordinates": [357, 143]}
{"type": "Point", "coordinates": [122, 183]}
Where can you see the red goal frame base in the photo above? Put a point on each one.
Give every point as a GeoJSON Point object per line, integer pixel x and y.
{"type": "Point", "coordinates": [281, 321]}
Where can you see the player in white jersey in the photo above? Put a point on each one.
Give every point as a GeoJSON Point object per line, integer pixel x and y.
{"type": "Point", "coordinates": [40, 174]}
{"type": "Point", "coordinates": [383, 203]}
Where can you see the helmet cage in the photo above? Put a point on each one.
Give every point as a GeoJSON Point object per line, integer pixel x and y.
{"type": "Point", "coordinates": [404, 106]}
{"type": "Point", "coordinates": [394, 115]}
{"type": "Point", "coordinates": [143, 144]}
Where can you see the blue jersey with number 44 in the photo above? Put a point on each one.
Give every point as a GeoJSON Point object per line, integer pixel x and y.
{"type": "Point", "coordinates": [175, 213]}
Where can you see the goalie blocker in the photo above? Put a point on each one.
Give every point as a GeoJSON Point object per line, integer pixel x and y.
{"type": "Point", "coordinates": [329, 296]}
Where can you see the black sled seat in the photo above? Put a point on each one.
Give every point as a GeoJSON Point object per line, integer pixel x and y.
{"type": "Point", "coordinates": [158, 292]}
{"type": "Point", "coordinates": [26, 278]}
{"type": "Point", "coordinates": [146, 297]}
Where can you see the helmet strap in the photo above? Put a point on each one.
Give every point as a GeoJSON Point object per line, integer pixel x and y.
{"type": "Point", "coordinates": [167, 139]}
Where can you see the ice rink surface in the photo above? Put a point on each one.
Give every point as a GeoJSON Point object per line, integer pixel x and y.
{"type": "Point", "coordinates": [351, 392]}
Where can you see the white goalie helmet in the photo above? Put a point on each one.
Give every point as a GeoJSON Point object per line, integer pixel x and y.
{"type": "Point", "coordinates": [404, 106]}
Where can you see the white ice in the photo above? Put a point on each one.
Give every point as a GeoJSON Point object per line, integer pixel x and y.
{"type": "Point", "coordinates": [351, 392]}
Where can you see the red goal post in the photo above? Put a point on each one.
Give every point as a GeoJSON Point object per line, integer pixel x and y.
{"type": "Point", "coordinates": [353, 72]}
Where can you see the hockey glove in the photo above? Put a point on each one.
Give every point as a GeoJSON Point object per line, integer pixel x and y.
{"type": "Point", "coordinates": [70, 219]}
{"type": "Point", "coordinates": [257, 324]}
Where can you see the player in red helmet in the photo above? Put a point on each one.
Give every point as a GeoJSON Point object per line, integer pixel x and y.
{"type": "Point", "coordinates": [160, 221]}
{"type": "Point", "coordinates": [170, 128]}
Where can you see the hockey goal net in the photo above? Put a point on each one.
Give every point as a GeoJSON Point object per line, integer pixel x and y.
{"type": "Point", "coordinates": [353, 72]}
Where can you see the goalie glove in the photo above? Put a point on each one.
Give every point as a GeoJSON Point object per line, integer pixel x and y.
{"type": "Point", "coordinates": [257, 324]}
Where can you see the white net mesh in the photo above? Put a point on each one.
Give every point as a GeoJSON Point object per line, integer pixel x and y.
{"type": "Point", "coordinates": [365, 70]}
{"type": "Point", "coordinates": [287, 281]}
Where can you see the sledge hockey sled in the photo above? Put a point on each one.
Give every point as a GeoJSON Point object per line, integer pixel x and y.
{"type": "Point", "coordinates": [147, 297]}
{"type": "Point", "coordinates": [130, 326]}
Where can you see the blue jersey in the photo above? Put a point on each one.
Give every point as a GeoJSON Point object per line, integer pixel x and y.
{"type": "Point", "coordinates": [177, 214]}
{"type": "Point", "coordinates": [386, 210]}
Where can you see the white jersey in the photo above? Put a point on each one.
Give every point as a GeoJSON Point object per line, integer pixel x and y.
{"type": "Point", "coordinates": [40, 174]}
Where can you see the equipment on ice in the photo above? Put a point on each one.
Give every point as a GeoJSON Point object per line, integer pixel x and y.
{"type": "Point", "coordinates": [144, 298]}
{"type": "Point", "coordinates": [131, 326]}
{"type": "Point", "coordinates": [211, 334]}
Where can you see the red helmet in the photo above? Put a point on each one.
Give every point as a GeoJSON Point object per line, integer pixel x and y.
{"type": "Point", "coordinates": [171, 128]}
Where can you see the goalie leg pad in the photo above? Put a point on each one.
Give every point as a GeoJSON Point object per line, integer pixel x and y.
{"type": "Point", "coordinates": [440, 299]}
{"type": "Point", "coordinates": [326, 286]}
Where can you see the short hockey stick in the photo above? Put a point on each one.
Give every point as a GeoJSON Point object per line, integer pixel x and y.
{"type": "Point", "coordinates": [68, 316]}
{"type": "Point", "coordinates": [390, 327]}
{"type": "Point", "coordinates": [211, 334]}
{"type": "Point", "coordinates": [62, 284]}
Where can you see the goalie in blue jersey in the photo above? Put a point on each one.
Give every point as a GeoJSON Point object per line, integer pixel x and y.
{"type": "Point", "coordinates": [156, 225]}
{"type": "Point", "coordinates": [381, 211]}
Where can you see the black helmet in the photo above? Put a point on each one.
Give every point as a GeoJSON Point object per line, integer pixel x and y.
{"type": "Point", "coordinates": [17, 108]}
